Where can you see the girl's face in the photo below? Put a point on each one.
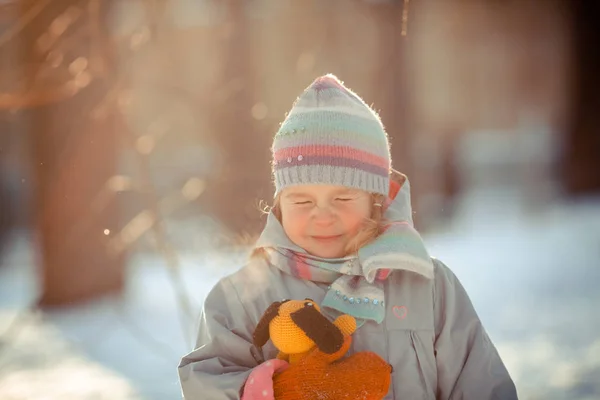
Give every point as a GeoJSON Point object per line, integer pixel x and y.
{"type": "Point", "coordinates": [322, 219]}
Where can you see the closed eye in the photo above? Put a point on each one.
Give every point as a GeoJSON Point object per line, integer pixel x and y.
{"type": "Point", "coordinates": [302, 202]}
{"type": "Point", "coordinates": [344, 199]}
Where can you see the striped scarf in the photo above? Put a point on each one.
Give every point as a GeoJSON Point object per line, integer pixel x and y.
{"type": "Point", "coordinates": [356, 281]}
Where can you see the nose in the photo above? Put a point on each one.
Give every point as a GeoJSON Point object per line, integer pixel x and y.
{"type": "Point", "coordinates": [323, 216]}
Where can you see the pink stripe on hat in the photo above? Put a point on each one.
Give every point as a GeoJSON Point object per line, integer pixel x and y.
{"type": "Point", "coordinates": [333, 151]}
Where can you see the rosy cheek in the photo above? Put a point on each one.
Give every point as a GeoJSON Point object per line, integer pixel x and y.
{"type": "Point", "coordinates": [355, 226]}
{"type": "Point", "coordinates": [294, 223]}
{"type": "Point", "coordinates": [351, 218]}
{"type": "Point", "coordinates": [298, 216]}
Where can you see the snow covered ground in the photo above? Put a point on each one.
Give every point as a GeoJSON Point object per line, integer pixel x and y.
{"type": "Point", "coordinates": [533, 277]}
{"type": "Point", "coordinates": [126, 347]}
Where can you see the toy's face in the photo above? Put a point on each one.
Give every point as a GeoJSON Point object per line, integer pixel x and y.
{"type": "Point", "coordinates": [285, 334]}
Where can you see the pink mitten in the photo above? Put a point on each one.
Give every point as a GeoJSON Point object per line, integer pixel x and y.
{"type": "Point", "coordinates": [259, 384]}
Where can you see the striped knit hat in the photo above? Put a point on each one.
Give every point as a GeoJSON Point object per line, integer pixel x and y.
{"type": "Point", "coordinates": [331, 136]}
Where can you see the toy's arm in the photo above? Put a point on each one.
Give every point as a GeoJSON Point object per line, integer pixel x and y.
{"type": "Point", "coordinates": [345, 323]}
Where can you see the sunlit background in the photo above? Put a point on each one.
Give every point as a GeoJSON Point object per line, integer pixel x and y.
{"type": "Point", "coordinates": [134, 156]}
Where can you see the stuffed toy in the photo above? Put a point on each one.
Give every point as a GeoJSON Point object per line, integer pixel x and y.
{"type": "Point", "coordinates": [315, 348]}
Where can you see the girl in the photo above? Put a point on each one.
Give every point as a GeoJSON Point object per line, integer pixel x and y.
{"type": "Point", "coordinates": [341, 233]}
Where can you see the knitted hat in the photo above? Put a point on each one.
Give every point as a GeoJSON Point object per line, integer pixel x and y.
{"type": "Point", "coordinates": [331, 136]}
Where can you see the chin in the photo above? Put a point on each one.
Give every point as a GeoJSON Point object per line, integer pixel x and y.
{"type": "Point", "coordinates": [326, 253]}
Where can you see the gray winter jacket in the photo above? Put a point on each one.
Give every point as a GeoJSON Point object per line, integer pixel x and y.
{"type": "Point", "coordinates": [431, 336]}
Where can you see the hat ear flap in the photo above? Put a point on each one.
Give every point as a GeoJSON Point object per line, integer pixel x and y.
{"type": "Point", "coordinates": [319, 329]}
{"type": "Point", "coordinates": [261, 332]}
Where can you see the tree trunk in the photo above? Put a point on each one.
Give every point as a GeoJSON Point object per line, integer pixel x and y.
{"type": "Point", "coordinates": [242, 176]}
{"type": "Point", "coordinates": [74, 155]}
{"type": "Point", "coordinates": [582, 147]}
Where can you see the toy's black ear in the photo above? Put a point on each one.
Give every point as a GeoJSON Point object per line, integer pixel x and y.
{"type": "Point", "coordinates": [261, 333]}
{"type": "Point", "coordinates": [319, 329]}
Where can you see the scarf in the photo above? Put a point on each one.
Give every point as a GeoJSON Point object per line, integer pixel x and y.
{"type": "Point", "coordinates": [356, 282]}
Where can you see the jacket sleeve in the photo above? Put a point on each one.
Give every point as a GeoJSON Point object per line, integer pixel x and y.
{"type": "Point", "coordinates": [468, 364]}
{"type": "Point", "coordinates": [222, 360]}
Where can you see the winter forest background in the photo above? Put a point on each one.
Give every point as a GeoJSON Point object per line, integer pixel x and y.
{"type": "Point", "coordinates": [134, 156]}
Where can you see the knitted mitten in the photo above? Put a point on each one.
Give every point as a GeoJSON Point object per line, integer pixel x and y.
{"type": "Point", "coordinates": [364, 376]}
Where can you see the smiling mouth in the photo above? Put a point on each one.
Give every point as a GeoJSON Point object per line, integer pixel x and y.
{"type": "Point", "coordinates": [327, 238]}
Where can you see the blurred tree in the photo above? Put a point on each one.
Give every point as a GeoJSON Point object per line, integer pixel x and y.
{"type": "Point", "coordinates": [242, 174]}
{"type": "Point", "coordinates": [6, 220]}
{"type": "Point", "coordinates": [53, 82]}
{"type": "Point", "coordinates": [582, 153]}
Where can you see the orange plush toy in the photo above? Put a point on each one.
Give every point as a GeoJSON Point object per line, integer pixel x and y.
{"type": "Point", "coordinates": [315, 348]}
